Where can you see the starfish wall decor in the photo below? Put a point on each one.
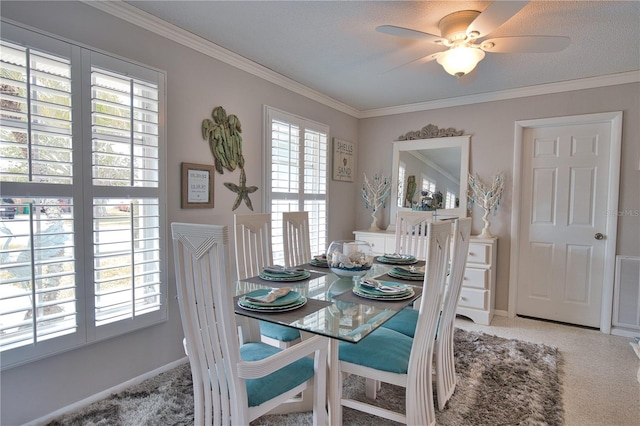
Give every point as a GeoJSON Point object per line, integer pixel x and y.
{"type": "Point", "coordinates": [225, 141]}
{"type": "Point", "coordinates": [242, 190]}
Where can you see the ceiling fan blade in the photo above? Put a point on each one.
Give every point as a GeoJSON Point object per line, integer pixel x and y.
{"type": "Point", "coordinates": [408, 33]}
{"type": "Point", "coordinates": [421, 60]}
{"type": "Point", "coordinates": [496, 14]}
{"type": "Point", "coordinates": [525, 44]}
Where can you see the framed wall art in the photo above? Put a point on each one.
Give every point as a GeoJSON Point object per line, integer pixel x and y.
{"type": "Point", "coordinates": [197, 186]}
{"type": "Point", "coordinates": [344, 153]}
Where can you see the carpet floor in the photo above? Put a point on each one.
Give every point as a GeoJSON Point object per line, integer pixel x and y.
{"type": "Point", "coordinates": [500, 382]}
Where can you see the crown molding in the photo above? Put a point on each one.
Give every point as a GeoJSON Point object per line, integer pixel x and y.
{"type": "Point", "coordinates": [521, 92]}
{"type": "Point", "coordinates": [149, 22]}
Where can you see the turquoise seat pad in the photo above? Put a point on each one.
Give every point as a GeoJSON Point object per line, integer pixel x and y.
{"type": "Point", "coordinates": [403, 322]}
{"type": "Point", "coordinates": [384, 349]}
{"type": "Point", "coordinates": [278, 382]}
{"type": "Point", "coordinates": [279, 332]}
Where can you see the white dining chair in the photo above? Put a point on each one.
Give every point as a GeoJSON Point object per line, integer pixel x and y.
{"type": "Point", "coordinates": [405, 321]}
{"type": "Point", "coordinates": [236, 377]}
{"type": "Point", "coordinates": [388, 356]}
{"type": "Point", "coordinates": [411, 232]}
{"type": "Point", "coordinates": [295, 230]}
{"type": "Point", "coordinates": [253, 253]}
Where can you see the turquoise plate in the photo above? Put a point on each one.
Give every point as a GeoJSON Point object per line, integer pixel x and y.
{"type": "Point", "coordinates": [288, 299]}
{"type": "Point", "coordinates": [383, 296]}
{"type": "Point", "coordinates": [256, 308]}
{"type": "Point", "coordinates": [298, 276]}
{"type": "Point", "coordinates": [405, 260]}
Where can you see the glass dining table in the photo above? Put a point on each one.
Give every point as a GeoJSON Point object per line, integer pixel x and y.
{"type": "Point", "coordinates": [332, 309]}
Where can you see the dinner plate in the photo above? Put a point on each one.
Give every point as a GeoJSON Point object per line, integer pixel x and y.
{"type": "Point", "coordinates": [383, 296]}
{"type": "Point", "coordinates": [404, 260]}
{"type": "Point", "coordinates": [319, 263]}
{"type": "Point", "coordinates": [406, 276]}
{"type": "Point", "coordinates": [287, 299]}
{"type": "Point", "coordinates": [273, 309]}
{"type": "Point", "coordinates": [298, 276]}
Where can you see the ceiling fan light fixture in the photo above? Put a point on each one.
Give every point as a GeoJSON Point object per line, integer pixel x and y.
{"type": "Point", "coordinates": [460, 60]}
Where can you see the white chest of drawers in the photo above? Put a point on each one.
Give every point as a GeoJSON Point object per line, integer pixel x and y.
{"type": "Point", "coordinates": [479, 282]}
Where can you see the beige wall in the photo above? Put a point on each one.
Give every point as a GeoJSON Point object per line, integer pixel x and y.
{"type": "Point", "coordinates": [195, 85]}
{"type": "Point", "coordinates": [492, 126]}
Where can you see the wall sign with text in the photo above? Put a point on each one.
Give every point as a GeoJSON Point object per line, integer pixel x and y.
{"type": "Point", "coordinates": [344, 153]}
{"type": "Point", "coordinates": [197, 186]}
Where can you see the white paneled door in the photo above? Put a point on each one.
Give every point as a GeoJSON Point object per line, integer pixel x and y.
{"type": "Point", "coordinates": [563, 222]}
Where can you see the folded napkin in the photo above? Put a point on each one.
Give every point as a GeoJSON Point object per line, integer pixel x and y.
{"type": "Point", "coordinates": [377, 285]}
{"type": "Point", "coordinates": [279, 269]}
{"type": "Point", "coordinates": [272, 296]}
{"type": "Point", "coordinates": [410, 270]}
{"type": "Point", "coordinates": [394, 256]}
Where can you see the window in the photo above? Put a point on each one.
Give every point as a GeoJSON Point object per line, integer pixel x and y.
{"type": "Point", "coordinates": [450, 200]}
{"type": "Point", "coordinates": [82, 161]}
{"type": "Point", "coordinates": [402, 169]}
{"type": "Point", "coordinates": [428, 185]}
{"type": "Point", "coordinates": [296, 175]}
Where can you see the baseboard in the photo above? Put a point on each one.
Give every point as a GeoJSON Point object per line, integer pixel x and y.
{"type": "Point", "coordinates": [105, 393]}
{"type": "Point", "coordinates": [500, 313]}
{"type": "Point", "coordinates": [617, 331]}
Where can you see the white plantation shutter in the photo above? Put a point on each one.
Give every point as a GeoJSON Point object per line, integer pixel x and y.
{"type": "Point", "coordinates": [296, 168]}
{"type": "Point", "coordinates": [62, 287]}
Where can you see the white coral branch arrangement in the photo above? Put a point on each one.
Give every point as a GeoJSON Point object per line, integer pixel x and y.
{"type": "Point", "coordinates": [375, 194]}
{"type": "Point", "coordinates": [486, 197]}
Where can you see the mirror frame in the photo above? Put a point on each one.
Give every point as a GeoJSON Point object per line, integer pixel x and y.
{"type": "Point", "coordinates": [420, 144]}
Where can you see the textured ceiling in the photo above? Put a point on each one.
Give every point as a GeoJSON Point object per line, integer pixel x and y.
{"type": "Point", "coordinates": [332, 46]}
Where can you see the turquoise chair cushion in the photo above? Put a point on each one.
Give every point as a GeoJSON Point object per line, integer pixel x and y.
{"type": "Point", "coordinates": [278, 382]}
{"type": "Point", "coordinates": [384, 349]}
{"type": "Point", "coordinates": [279, 332]}
{"type": "Point", "coordinates": [403, 322]}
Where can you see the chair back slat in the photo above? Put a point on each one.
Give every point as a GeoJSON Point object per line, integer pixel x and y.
{"type": "Point", "coordinates": [295, 230]}
{"type": "Point", "coordinates": [411, 233]}
{"type": "Point", "coordinates": [253, 243]}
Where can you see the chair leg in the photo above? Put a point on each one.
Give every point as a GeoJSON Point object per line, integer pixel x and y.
{"type": "Point", "coordinates": [372, 387]}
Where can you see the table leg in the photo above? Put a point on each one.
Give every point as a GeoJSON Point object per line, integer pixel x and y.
{"type": "Point", "coordinates": [335, 391]}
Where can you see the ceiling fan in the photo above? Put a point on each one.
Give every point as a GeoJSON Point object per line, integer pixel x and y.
{"type": "Point", "coordinates": [462, 32]}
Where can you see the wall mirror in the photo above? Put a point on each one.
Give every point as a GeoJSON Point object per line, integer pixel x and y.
{"type": "Point", "coordinates": [442, 163]}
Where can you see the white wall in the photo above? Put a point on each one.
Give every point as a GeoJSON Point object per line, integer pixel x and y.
{"type": "Point", "coordinates": [492, 127]}
{"type": "Point", "coordinates": [195, 85]}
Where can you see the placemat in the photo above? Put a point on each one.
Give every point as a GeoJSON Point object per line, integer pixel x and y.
{"type": "Point", "coordinates": [288, 317]}
{"type": "Point", "coordinates": [258, 280]}
{"type": "Point", "coordinates": [349, 296]}
{"type": "Point", "coordinates": [315, 268]}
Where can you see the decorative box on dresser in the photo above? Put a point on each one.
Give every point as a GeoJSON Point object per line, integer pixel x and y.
{"type": "Point", "coordinates": [479, 283]}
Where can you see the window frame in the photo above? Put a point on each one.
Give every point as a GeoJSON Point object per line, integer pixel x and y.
{"type": "Point", "coordinates": [270, 114]}
{"type": "Point", "coordinates": [83, 192]}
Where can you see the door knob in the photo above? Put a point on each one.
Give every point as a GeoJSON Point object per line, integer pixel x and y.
{"type": "Point", "coordinates": [598, 236]}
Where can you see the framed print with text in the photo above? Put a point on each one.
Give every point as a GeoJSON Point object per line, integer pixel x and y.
{"type": "Point", "coordinates": [344, 153]}
{"type": "Point", "coordinates": [197, 186]}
